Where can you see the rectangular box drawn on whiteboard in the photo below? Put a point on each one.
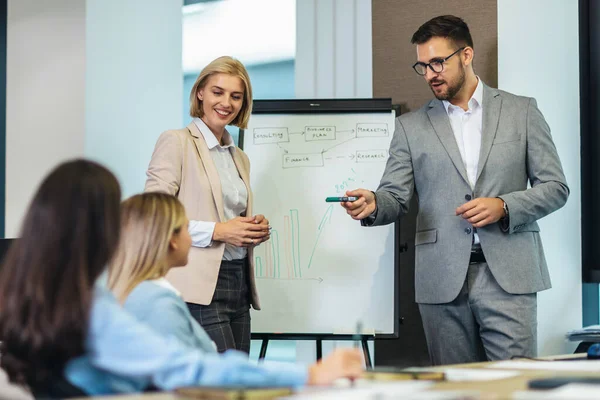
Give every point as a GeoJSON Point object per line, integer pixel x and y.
{"type": "Point", "coordinates": [364, 156]}
{"type": "Point", "coordinates": [270, 135]}
{"type": "Point", "coordinates": [302, 160]}
{"type": "Point", "coordinates": [313, 133]}
{"type": "Point", "coordinates": [371, 130]}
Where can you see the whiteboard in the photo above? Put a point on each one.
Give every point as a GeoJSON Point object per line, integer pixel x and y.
{"type": "Point", "coordinates": [321, 272]}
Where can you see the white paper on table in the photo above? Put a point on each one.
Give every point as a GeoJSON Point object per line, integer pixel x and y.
{"type": "Point", "coordinates": [580, 365]}
{"type": "Point", "coordinates": [364, 389]}
{"type": "Point", "coordinates": [465, 374]}
{"type": "Point", "coordinates": [577, 391]}
{"type": "Point", "coordinates": [437, 395]}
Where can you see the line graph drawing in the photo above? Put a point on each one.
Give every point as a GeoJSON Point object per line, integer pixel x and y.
{"type": "Point", "coordinates": [326, 218]}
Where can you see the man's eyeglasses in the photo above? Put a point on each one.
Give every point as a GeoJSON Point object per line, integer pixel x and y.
{"type": "Point", "coordinates": [436, 66]}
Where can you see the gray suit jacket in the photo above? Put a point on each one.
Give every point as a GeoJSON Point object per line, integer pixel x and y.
{"type": "Point", "coordinates": [516, 148]}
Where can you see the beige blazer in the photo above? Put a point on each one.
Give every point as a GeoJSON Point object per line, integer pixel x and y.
{"type": "Point", "coordinates": [181, 165]}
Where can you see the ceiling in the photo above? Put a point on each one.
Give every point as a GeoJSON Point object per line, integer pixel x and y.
{"type": "Point", "coordinates": [253, 31]}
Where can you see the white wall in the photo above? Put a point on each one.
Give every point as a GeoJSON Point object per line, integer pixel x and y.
{"type": "Point", "coordinates": [134, 82]}
{"type": "Point", "coordinates": [538, 56]}
{"type": "Point", "coordinates": [44, 95]}
{"type": "Point", "coordinates": [333, 49]}
{"type": "Point", "coordinates": [100, 78]}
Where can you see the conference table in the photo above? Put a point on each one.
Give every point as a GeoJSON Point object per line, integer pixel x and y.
{"type": "Point", "coordinates": [487, 389]}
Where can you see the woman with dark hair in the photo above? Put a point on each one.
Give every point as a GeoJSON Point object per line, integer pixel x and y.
{"type": "Point", "coordinates": [47, 279]}
{"type": "Point", "coordinates": [56, 324]}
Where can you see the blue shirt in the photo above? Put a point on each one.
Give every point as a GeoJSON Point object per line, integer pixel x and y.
{"type": "Point", "coordinates": [124, 355]}
{"type": "Point", "coordinates": [157, 304]}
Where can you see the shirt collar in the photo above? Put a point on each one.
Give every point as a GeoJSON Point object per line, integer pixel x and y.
{"type": "Point", "coordinates": [210, 138]}
{"type": "Point", "coordinates": [475, 100]}
{"type": "Point", "coordinates": [167, 285]}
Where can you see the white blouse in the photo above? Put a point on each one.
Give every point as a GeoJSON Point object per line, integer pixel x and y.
{"type": "Point", "coordinates": [235, 194]}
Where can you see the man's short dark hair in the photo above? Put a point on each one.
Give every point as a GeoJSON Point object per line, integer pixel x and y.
{"type": "Point", "coordinates": [446, 26]}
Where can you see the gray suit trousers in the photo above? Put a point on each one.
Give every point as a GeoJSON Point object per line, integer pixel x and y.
{"type": "Point", "coordinates": [484, 323]}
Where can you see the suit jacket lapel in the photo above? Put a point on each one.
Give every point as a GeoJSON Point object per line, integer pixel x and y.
{"type": "Point", "coordinates": [492, 103]}
{"type": "Point", "coordinates": [210, 168]}
{"type": "Point", "coordinates": [441, 124]}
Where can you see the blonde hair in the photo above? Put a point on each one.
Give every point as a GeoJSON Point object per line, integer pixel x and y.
{"type": "Point", "coordinates": [230, 66]}
{"type": "Point", "coordinates": [148, 221]}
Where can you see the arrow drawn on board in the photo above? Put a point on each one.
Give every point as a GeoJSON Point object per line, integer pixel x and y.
{"type": "Point", "coordinates": [326, 218]}
{"type": "Point", "coordinates": [284, 150]}
{"type": "Point", "coordinates": [340, 143]}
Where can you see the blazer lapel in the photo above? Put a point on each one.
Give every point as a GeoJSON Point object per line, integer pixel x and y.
{"type": "Point", "coordinates": [244, 174]}
{"type": "Point", "coordinates": [209, 167]}
{"type": "Point", "coordinates": [441, 124]}
{"type": "Point", "coordinates": [492, 103]}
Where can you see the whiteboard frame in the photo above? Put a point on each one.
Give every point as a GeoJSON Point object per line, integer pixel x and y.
{"type": "Point", "coordinates": [336, 106]}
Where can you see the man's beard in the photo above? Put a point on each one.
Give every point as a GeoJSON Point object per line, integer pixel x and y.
{"type": "Point", "coordinates": [452, 90]}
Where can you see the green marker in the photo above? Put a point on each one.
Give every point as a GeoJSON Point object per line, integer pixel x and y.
{"type": "Point", "coordinates": [340, 199]}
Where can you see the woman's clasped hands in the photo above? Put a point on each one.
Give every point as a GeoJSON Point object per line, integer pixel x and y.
{"type": "Point", "coordinates": [243, 231]}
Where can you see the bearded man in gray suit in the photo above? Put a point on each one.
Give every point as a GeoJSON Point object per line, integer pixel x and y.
{"type": "Point", "coordinates": [469, 155]}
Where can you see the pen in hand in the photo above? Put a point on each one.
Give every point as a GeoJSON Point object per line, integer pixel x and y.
{"type": "Point", "coordinates": [357, 339]}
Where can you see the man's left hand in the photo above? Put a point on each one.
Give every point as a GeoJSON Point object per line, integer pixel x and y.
{"type": "Point", "coordinates": [482, 211]}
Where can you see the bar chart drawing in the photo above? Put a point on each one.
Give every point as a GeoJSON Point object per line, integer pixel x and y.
{"type": "Point", "coordinates": [269, 265]}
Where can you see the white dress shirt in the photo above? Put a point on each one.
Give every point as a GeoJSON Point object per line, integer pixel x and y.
{"type": "Point", "coordinates": [235, 194]}
{"type": "Point", "coordinates": [467, 126]}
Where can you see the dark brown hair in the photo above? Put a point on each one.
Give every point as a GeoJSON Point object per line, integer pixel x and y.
{"type": "Point", "coordinates": [46, 280]}
{"type": "Point", "coordinates": [446, 26]}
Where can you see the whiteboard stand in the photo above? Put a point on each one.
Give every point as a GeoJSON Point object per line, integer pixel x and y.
{"type": "Point", "coordinates": [265, 337]}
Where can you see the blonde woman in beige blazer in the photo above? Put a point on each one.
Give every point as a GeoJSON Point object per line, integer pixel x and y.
{"type": "Point", "coordinates": [201, 165]}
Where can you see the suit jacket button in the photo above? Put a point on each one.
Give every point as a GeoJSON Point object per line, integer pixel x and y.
{"type": "Point", "coordinates": [468, 231]}
{"type": "Point", "coordinates": [467, 197]}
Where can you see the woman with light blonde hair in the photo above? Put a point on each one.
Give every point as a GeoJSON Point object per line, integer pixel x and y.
{"type": "Point", "coordinates": [201, 165]}
{"type": "Point", "coordinates": [151, 226]}
{"type": "Point", "coordinates": [154, 239]}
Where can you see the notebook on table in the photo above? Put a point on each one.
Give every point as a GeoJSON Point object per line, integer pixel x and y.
{"type": "Point", "coordinates": [394, 373]}
{"type": "Point", "coordinates": [232, 393]}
